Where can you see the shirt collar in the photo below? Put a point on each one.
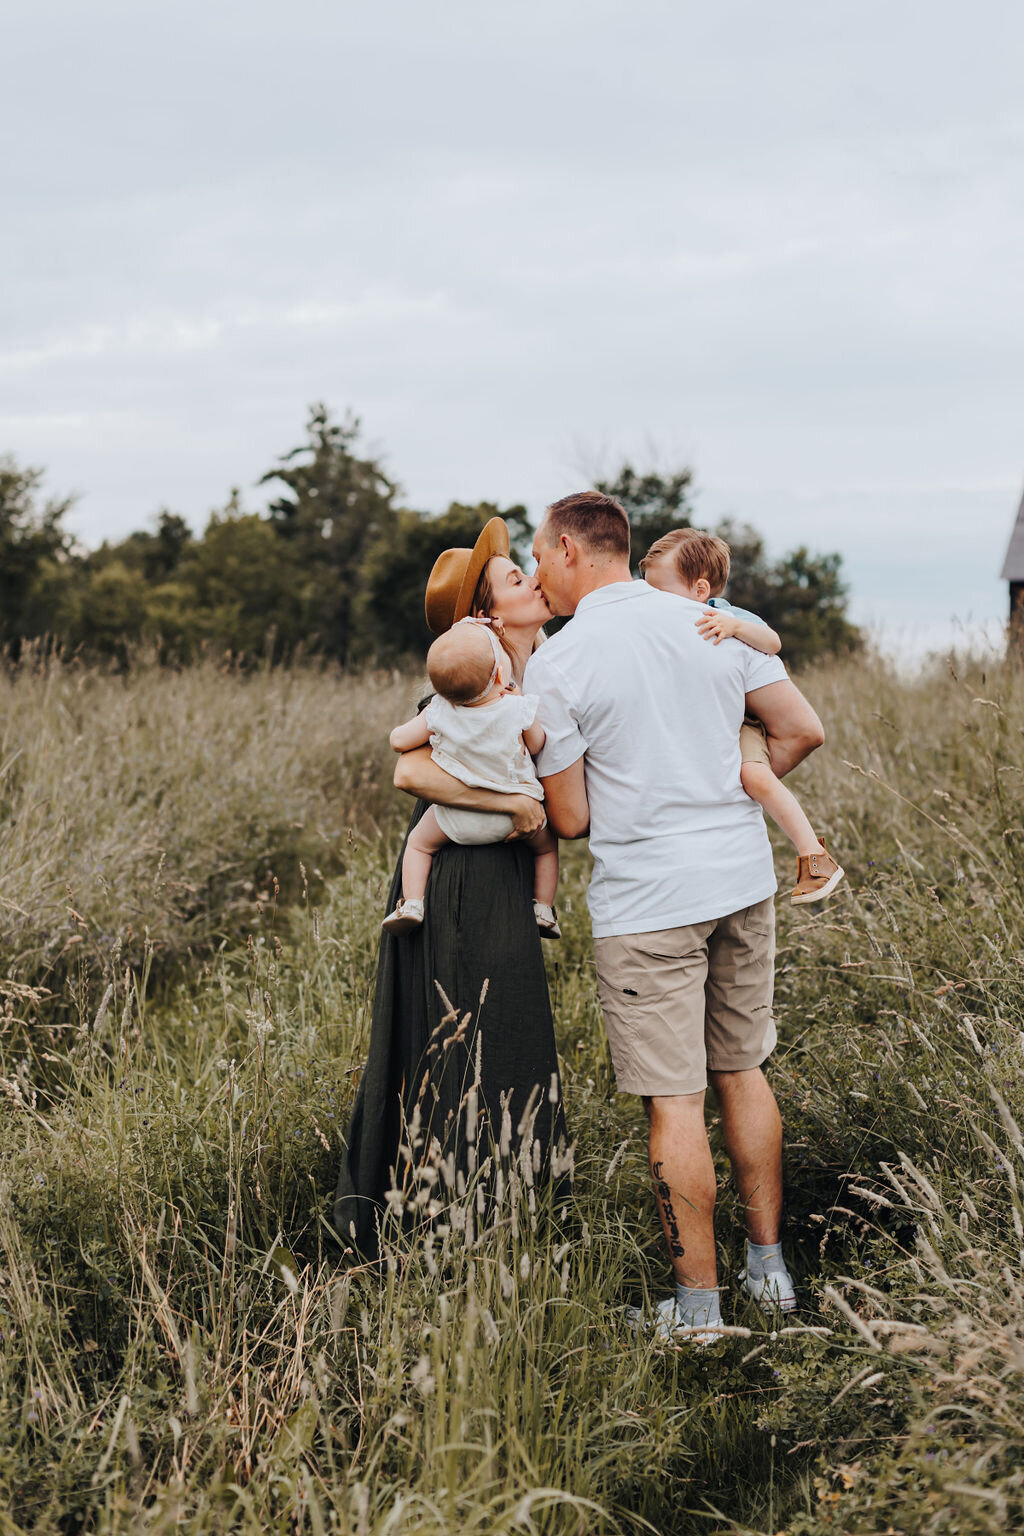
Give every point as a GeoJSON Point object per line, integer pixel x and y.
{"type": "Point", "coordinates": [615, 592]}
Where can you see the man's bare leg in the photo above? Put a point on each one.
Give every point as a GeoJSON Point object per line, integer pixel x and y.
{"type": "Point", "coordinates": [752, 1132]}
{"type": "Point", "coordinates": [684, 1186]}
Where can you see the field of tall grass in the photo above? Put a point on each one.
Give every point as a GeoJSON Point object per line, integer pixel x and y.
{"type": "Point", "coordinates": [192, 873]}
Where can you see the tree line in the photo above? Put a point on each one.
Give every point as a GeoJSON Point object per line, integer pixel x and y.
{"type": "Point", "coordinates": [335, 566]}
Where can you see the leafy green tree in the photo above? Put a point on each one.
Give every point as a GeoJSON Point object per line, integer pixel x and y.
{"type": "Point", "coordinates": [802, 595]}
{"type": "Point", "coordinates": [112, 610]}
{"type": "Point", "coordinates": [334, 566]}
{"type": "Point", "coordinates": [393, 577]}
{"type": "Point", "coordinates": [236, 589]}
{"type": "Point", "coordinates": [157, 553]}
{"type": "Point", "coordinates": [748, 564]}
{"type": "Point", "coordinates": [35, 550]}
{"type": "Point", "coordinates": [334, 507]}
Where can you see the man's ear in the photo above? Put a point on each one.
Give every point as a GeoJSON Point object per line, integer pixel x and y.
{"type": "Point", "coordinates": [568, 547]}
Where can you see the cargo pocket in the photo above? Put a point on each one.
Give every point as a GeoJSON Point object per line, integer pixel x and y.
{"type": "Point", "coordinates": [759, 920]}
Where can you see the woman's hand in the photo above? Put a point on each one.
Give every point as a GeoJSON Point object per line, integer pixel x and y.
{"type": "Point", "coordinates": [716, 625]}
{"type": "Point", "coordinates": [417, 774]}
{"type": "Point", "coordinates": [527, 815]}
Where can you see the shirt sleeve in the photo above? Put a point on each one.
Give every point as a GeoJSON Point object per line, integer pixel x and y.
{"type": "Point", "coordinates": [750, 618]}
{"type": "Point", "coordinates": [433, 710]}
{"type": "Point", "coordinates": [760, 670]}
{"type": "Point", "coordinates": [564, 741]}
{"type": "Point", "coordinates": [724, 606]}
{"type": "Point", "coordinates": [528, 703]}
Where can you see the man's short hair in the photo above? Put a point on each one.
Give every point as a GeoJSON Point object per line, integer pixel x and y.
{"type": "Point", "coordinates": [597, 522]}
{"type": "Point", "coordinates": [695, 554]}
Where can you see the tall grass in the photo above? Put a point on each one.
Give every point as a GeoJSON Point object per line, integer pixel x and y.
{"type": "Point", "coordinates": [152, 810]}
{"type": "Point", "coordinates": [181, 1347]}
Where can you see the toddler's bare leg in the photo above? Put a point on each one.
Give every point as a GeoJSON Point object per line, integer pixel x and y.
{"type": "Point", "coordinates": [545, 870]}
{"type": "Point", "coordinates": [781, 805]}
{"type": "Point", "coordinates": [425, 839]}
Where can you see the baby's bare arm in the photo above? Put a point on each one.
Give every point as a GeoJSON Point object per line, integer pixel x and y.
{"type": "Point", "coordinates": [718, 624]}
{"type": "Point", "coordinates": [414, 733]}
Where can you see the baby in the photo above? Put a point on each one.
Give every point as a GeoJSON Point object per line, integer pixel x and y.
{"type": "Point", "coordinates": [482, 730]}
{"type": "Point", "coordinates": [696, 565]}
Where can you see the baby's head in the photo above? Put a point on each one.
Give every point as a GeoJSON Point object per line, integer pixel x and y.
{"type": "Point", "coordinates": [461, 664]}
{"type": "Point", "coordinates": [688, 562]}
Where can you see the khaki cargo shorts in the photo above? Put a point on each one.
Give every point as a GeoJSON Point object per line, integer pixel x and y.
{"type": "Point", "coordinates": [754, 742]}
{"type": "Point", "coordinates": [681, 1002]}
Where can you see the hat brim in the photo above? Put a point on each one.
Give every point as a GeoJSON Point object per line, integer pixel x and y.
{"type": "Point", "coordinates": [493, 541]}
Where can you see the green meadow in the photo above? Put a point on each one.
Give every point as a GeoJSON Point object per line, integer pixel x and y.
{"type": "Point", "coordinates": [193, 866]}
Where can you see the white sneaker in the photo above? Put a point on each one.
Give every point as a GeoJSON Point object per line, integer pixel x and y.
{"type": "Point", "coordinates": [666, 1325]}
{"type": "Point", "coordinates": [773, 1290]}
{"type": "Point", "coordinates": [547, 922]}
{"type": "Point", "coordinates": [407, 915]}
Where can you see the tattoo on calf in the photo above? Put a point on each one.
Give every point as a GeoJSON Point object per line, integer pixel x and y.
{"type": "Point", "coordinates": [664, 1194]}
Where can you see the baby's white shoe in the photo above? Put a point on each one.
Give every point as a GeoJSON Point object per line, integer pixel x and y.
{"type": "Point", "coordinates": [407, 915]}
{"type": "Point", "coordinates": [547, 922]}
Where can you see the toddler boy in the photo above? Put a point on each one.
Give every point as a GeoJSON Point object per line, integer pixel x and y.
{"type": "Point", "coordinates": [694, 564]}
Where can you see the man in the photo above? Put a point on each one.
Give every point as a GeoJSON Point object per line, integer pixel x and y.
{"type": "Point", "coordinates": [642, 717]}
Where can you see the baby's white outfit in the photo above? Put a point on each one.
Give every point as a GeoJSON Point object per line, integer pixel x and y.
{"type": "Point", "coordinates": [482, 747]}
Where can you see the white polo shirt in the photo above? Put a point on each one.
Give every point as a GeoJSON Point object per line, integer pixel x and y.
{"type": "Point", "coordinates": [655, 711]}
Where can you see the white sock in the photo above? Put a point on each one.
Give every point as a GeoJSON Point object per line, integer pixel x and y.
{"type": "Point", "coordinates": [764, 1259]}
{"type": "Point", "coordinates": [697, 1308]}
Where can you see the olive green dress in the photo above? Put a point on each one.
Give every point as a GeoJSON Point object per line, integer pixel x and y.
{"type": "Point", "coordinates": [461, 1040]}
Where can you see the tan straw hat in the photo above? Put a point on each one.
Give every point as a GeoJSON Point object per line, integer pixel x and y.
{"type": "Point", "coordinates": [453, 580]}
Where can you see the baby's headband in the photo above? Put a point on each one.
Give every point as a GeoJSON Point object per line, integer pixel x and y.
{"type": "Point", "coordinates": [499, 656]}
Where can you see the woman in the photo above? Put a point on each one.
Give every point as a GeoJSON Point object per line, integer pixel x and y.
{"type": "Point", "coordinates": [462, 1056]}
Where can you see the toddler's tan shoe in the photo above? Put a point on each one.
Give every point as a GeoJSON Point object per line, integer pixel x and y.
{"type": "Point", "coordinates": [817, 875]}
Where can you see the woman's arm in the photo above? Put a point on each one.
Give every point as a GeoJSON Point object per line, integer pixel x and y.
{"type": "Point", "coordinates": [718, 624]}
{"type": "Point", "coordinates": [414, 733]}
{"type": "Point", "coordinates": [417, 774]}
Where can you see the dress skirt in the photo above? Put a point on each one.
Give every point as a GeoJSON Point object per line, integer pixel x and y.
{"type": "Point", "coordinates": [462, 1062]}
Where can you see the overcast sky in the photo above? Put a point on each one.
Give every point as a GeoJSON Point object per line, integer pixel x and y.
{"type": "Point", "coordinates": [782, 244]}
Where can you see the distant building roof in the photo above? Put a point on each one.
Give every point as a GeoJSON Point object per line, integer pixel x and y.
{"type": "Point", "coordinates": [1013, 565]}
